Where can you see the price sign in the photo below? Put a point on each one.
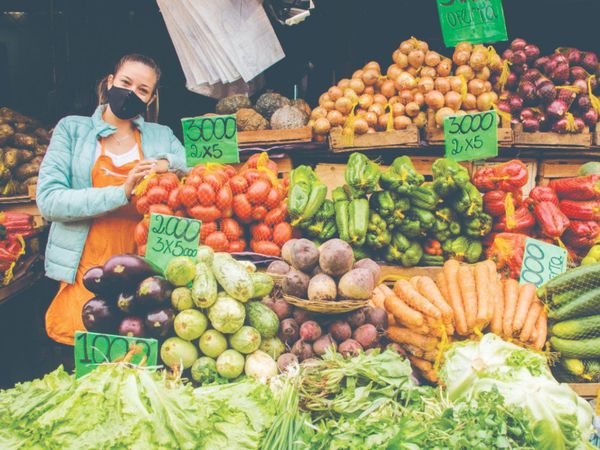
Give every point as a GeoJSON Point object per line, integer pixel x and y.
{"type": "Point", "coordinates": [93, 349]}
{"type": "Point", "coordinates": [210, 139]}
{"type": "Point", "coordinates": [471, 136]}
{"type": "Point", "coordinates": [542, 262]}
{"type": "Point", "coordinates": [474, 21]}
{"type": "Point", "coordinates": [170, 236]}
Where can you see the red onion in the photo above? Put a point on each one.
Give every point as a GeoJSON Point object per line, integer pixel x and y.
{"type": "Point", "coordinates": [546, 92]}
{"type": "Point", "coordinates": [581, 85]}
{"type": "Point", "coordinates": [518, 44]}
{"type": "Point", "coordinates": [504, 106]}
{"type": "Point", "coordinates": [527, 92]}
{"type": "Point", "coordinates": [557, 109]}
{"type": "Point", "coordinates": [520, 70]}
{"type": "Point", "coordinates": [550, 66]}
{"type": "Point", "coordinates": [579, 124]}
{"type": "Point", "coordinates": [512, 81]}
{"type": "Point", "coordinates": [542, 80]}
{"type": "Point", "coordinates": [518, 58]}
{"type": "Point", "coordinates": [560, 74]}
{"type": "Point", "coordinates": [541, 62]}
{"type": "Point", "coordinates": [532, 52]}
{"type": "Point", "coordinates": [531, 75]}
{"type": "Point", "coordinates": [560, 59]}
{"type": "Point", "coordinates": [531, 125]}
{"type": "Point", "coordinates": [590, 117]}
{"type": "Point", "coordinates": [578, 73]}
{"type": "Point", "coordinates": [507, 54]}
{"type": "Point", "coordinates": [583, 102]}
{"type": "Point", "coordinates": [567, 96]}
{"type": "Point", "coordinates": [590, 61]}
{"type": "Point", "coordinates": [561, 126]}
{"type": "Point", "coordinates": [527, 113]}
{"type": "Point", "coordinates": [574, 56]}
{"type": "Point", "coordinates": [515, 104]}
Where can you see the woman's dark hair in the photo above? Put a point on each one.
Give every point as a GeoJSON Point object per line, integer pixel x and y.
{"type": "Point", "coordinates": [102, 88]}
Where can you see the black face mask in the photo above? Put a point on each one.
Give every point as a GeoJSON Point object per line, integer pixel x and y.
{"type": "Point", "coordinates": [124, 103]}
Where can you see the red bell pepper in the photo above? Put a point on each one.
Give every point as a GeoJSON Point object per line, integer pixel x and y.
{"type": "Point", "coordinates": [523, 222]}
{"type": "Point", "coordinates": [578, 188]}
{"type": "Point", "coordinates": [494, 202]}
{"type": "Point", "coordinates": [542, 194]}
{"type": "Point", "coordinates": [507, 252]}
{"type": "Point", "coordinates": [9, 217]}
{"type": "Point", "coordinates": [587, 210]}
{"type": "Point", "coordinates": [582, 235]}
{"type": "Point", "coordinates": [508, 176]}
{"type": "Point", "coordinates": [551, 220]}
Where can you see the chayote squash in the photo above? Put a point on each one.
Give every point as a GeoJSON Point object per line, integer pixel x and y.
{"type": "Point", "coordinates": [261, 317]}
{"type": "Point", "coordinates": [204, 286]}
{"type": "Point", "coordinates": [233, 277]}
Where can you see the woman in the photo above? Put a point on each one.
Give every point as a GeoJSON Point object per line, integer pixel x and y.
{"type": "Point", "coordinates": [87, 179]}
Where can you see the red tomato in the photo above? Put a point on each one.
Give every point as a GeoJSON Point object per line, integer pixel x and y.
{"type": "Point", "coordinates": [232, 229]}
{"type": "Point", "coordinates": [265, 248]}
{"type": "Point", "coordinates": [224, 198]}
{"type": "Point", "coordinates": [282, 232]}
{"type": "Point", "coordinates": [261, 232]}
{"type": "Point", "coordinates": [157, 195]}
{"type": "Point", "coordinates": [205, 213]}
{"type": "Point", "coordinates": [229, 170]}
{"type": "Point", "coordinates": [215, 179]}
{"type": "Point", "coordinates": [242, 208]}
{"type": "Point", "coordinates": [251, 175]}
{"type": "Point", "coordinates": [275, 216]}
{"type": "Point", "coordinates": [206, 194]}
{"type": "Point", "coordinates": [238, 184]}
{"type": "Point", "coordinates": [259, 213]}
{"type": "Point", "coordinates": [152, 182]}
{"type": "Point", "coordinates": [217, 241]}
{"type": "Point", "coordinates": [142, 205]}
{"type": "Point", "coordinates": [237, 246]}
{"type": "Point", "coordinates": [188, 196]}
{"type": "Point", "coordinates": [206, 229]}
{"type": "Point", "coordinates": [173, 202]}
{"type": "Point", "coordinates": [169, 182]}
{"type": "Point", "coordinates": [160, 209]}
{"type": "Point", "coordinates": [253, 162]}
{"type": "Point", "coordinates": [258, 192]}
{"type": "Point", "coordinates": [273, 199]}
{"type": "Point", "coordinates": [193, 180]}
{"type": "Point", "coordinates": [140, 235]}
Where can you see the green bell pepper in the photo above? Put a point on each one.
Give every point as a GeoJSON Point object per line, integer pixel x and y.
{"type": "Point", "coordinates": [411, 226]}
{"type": "Point", "coordinates": [463, 249]}
{"type": "Point", "coordinates": [318, 192]}
{"type": "Point", "coordinates": [401, 206]}
{"type": "Point", "coordinates": [360, 253]}
{"type": "Point", "coordinates": [298, 199]}
{"type": "Point", "coordinates": [329, 229]}
{"type": "Point", "coordinates": [474, 251]}
{"type": "Point", "coordinates": [306, 194]}
{"type": "Point", "coordinates": [468, 201]}
{"type": "Point", "coordinates": [426, 218]}
{"type": "Point", "coordinates": [412, 255]}
{"type": "Point", "coordinates": [382, 202]}
{"type": "Point", "coordinates": [401, 176]}
{"type": "Point", "coordinates": [362, 174]}
{"type": "Point", "coordinates": [478, 226]}
{"type": "Point", "coordinates": [393, 252]}
{"type": "Point", "coordinates": [378, 235]}
{"type": "Point", "coordinates": [326, 211]}
{"type": "Point", "coordinates": [358, 220]}
{"type": "Point", "coordinates": [448, 177]}
{"type": "Point", "coordinates": [341, 204]}
{"type": "Point", "coordinates": [424, 197]}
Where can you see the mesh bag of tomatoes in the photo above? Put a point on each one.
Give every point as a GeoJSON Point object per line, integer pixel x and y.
{"type": "Point", "coordinates": [158, 194]}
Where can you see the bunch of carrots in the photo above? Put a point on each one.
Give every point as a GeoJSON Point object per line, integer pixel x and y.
{"type": "Point", "coordinates": [464, 301]}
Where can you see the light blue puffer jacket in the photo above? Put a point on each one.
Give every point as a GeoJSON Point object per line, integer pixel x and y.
{"type": "Point", "coordinates": [64, 193]}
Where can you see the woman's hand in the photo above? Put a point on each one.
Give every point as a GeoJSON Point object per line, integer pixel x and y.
{"type": "Point", "coordinates": [142, 169]}
{"type": "Point", "coordinates": [162, 166]}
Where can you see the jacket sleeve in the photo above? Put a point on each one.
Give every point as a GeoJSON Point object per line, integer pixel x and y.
{"type": "Point", "coordinates": [175, 154]}
{"type": "Point", "coordinates": [56, 198]}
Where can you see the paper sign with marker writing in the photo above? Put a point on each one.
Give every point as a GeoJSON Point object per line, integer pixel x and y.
{"type": "Point", "coordinates": [471, 136]}
{"type": "Point", "coordinates": [171, 236]}
{"type": "Point", "coordinates": [474, 21]}
{"type": "Point", "coordinates": [542, 262]}
{"type": "Point", "coordinates": [210, 139]}
{"type": "Point", "coordinates": [93, 349]}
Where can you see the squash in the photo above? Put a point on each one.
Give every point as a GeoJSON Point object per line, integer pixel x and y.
{"type": "Point", "coordinates": [589, 168]}
{"type": "Point", "coordinates": [270, 102]}
{"type": "Point", "coordinates": [232, 104]}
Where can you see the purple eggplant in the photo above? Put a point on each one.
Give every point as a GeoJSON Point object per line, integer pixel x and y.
{"type": "Point", "coordinates": [94, 281]}
{"type": "Point", "coordinates": [125, 271]}
{"type": "Point", "coordinates": [159, 322]}
{"type": "Point", "coordinates": [153, 292]}
{"type": "Point", "coordinates": [127, 303]}
{"type": "Point", "coordinates": [100, 316]}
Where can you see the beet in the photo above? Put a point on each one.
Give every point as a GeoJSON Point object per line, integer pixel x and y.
{"type": "Point", "coordinates": [325, 342]}
{"type": "Point", "coordinates": [125, 271]}
{"type": "Point", "coordinates": [557, 109]}
{"type": "Point", "coordinates": [377, 317]}
{"type": "Point", "coordinates": [281, 308]}
{"type": "Point", "coordinates": [301, 315]}
{"type": "Point", "coordinates": [285, 360]}
{"type": "Point", "coordinates": [278, 267]}
{"type": "Point", "coordinates": [590, 62]}
{"type": "Point", "coordinates": [303, 350]}
{"type": "Point", "coordinates": [268, 301]}
{"type": "Point", "coordinates": [99, 316]}
{"type": "Point", "coordinates": [366, 335]}
{"type": "Point", "coordinates": [132, 326]}
{"type": "Point", "coordinates": [159, 322]}
{"type": "Point", "coordinates": [340, 330]}
{"type": "Point", "coordinates": [288, 331]}
{"type": "Point", "coordinates": [532, 52]}
{"type": "Point", "coordinates": [310, 331]}
{"type": "Point", "coordinates": [356, 318]}
{"type": "Point", "coordinates": [350, 348]}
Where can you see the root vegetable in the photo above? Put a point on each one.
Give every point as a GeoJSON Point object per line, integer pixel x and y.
{"type": "Point", "coordinates": [356, 285]}
{"type": "Point", "coordinates": [281, 308]}
{"type": "Point", "coordinates": [301, 315]}
{"type": "Point", "coordinates": [286, 250]}
{"type": "Point", "coordinates": [511, 296]}
{"type": "Point", "coordinates": [310, 331]}
{"type": "Point", "coordinates": [483, 284]}
{"type": "Point", "coordinates": [356, 318]}
{"type": "Point", "coordinates": [321, 345]}
{"type": "Point", "coordinates": [288, 331]}
{"type": "Point", "coordinates": [454, 296]}
{"type": "Point", "coordinates": [530, 321]}
{"type": "Point", "coordinates": [303, 350]}
{"type": "Point", "coordinates": [278, 267]}
{"type": "Point", "coordinates": [406, 336]}
{"type": "Point", "coordinates": [541, 329]}
{"type": "Point", "coordinates": [468, 291]}
{"type": "Point", "coordinates": [404, 290]}
{"type": "Point", "coordinates": [526, 298]}
{"type": "Point", "coordinates": [340, 330]}
{"type": "Point", "coordinates": [376, 317]}
{"type": "Point", "coordinates": [395, 347]}
{"type": "Point", "coordinates": [498, 318]}
{"type": "Point", "coordinates": [285, 360]}
{"type": "Point", "coordinates": [304, 255]}
{"type": "Point", "coordinates": [366, 335]}
{"type": "Point", "coordinates": [322, 287]}
{"type": "Point", "coordinates": [401, 312]}
{"type": "Point", "coordinates": [350, 348]}
{"type": "Point", "coordinates": [336, 257]}
{"type": "Point", "coordinates": [296, 283]}
{"type": "Point", "coordinates": [372, 266]}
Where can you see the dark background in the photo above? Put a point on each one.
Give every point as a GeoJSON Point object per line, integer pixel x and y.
{"type": "Point", "coordinates": [51, 60]}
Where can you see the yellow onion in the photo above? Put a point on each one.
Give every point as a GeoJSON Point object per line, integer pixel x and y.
{"type": "Point", "coordinates": [478, 60]}
{"type": "Point", "coordinates": [441, 114]}
{"type": "Point", "coordinates": [406, 96]}
{"type": "Point", "coordinates": [412, 109]}
{"type": "Point", "coordinates": [370, 90]}
{"type": "Point", "coordinates": [444, 68]}
{"type": "Point", "coordinates": [423, 46]}
{"type": "Point", "coordinates": [324, 98]}
{"type": "Point", "coordinates": [495, 63]}
{"type": "Point", "coordinates": [357, 85]}
{"type": "Point", "coordinates": [372, 65]}
{"type": "Point", "coordinates": [311, 123]}
{"type": "Point", "coordinates": [397, 109]}
{"type": "Point", "coordinates": [435, 99]}
{"type": "Point", "coordinates": [335, 93]}
{"type": "Point", "coordinates": [432, 58]}
{"type": "Point", "coordinates": [484, 74]}
{"type": "Point", "coordinates": [349, 93]}
{"type": "Point", "coordinates": [405, 81]}
{"type": "Point", "coordinates": [421, 120]}
{"type": "Point", "coordinates": [455, 83]}
{"type": "Point", "coordinates": [388, 89]}
{"type": "Point", "coordinates": [377, 108]}
{"type": "Point", "coordinates": [465, 71]}
{"type": "Point", "coordinates": [461, 57]}
{"type": "Point", "coordinates": [453, 100]}
{"type": "Point", "coordinates": [322, 126]}
{"type": "Point", "coordinates": [400, 59]}
{"type": "Point", "coordinates": [426, 84]}
{"type": "Point", "coordinates": [371, 118]}
{"type": "Point", "coordinates": [393, 71]}
{"type": "Point", "coordinates": [359, 73]}
{"type": "Point", "coordinates": [361, 126]}
{"type": "Point", "coordinates": [470, 102]}
{"type": "Point", "coordinates": [476, 86]}
{"type": "Point", "coordinates": [360, 112]}
{"type": "Point", "coordinates": [413, 71]}
{"type": "Point", "coordinates": [428, 72]}
{"type": "Point", "coordinates": [442, 84]}
{"type": "Point", "coordinates": [343, 105]}
{"type": "Point", "coordinates": [402, 122]}
{"type": "Point", "coordinates": [394, 99]}
{"type": "Point", "coordinates": [371, 130]}
{"type": "Point", "coordinates": [370, 77]}
{"type": "Point", "coordinates": [336, 118]}
{"type": "Point", "coordinates": [488, 86]}
{"type": "Point", "coordinates": [484, 101]}
{"type": "Point", "coordinates": [344, 83]}
{"type": "Point", "coordinates": [464, 47]}
{"type": "Point", "coordinates": [380, 98]}
{"type": "Point", "coordinates": [416, 58]}
{"type": "Point", "coordinates": [318, 113]}
{"type": "Point", "coordinates": [419, 98]}
{"type": "Point", "coordinates": [329, 105]}
{"type": "Point", "coordinates": [407, 46]}
{"type": "Point", "coordinates": [382, 122]}
{"type": "Point", "coordinates": [365, 101]}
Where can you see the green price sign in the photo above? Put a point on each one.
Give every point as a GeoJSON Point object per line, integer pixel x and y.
{"type": "Point", "coordinates": [93, 349]}
{"type": "Point", "coordinates": [542, 262]}
{"type": "Point", "coordinates": [474, 21]}
{"type": "Point", "coordinates": [471, 136]}
{"type": "Point", "coordinates": [171, 236]}
{"type": "Point", "coordinates": [210, 139]}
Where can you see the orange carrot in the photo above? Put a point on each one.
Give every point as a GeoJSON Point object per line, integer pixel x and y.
{"type": "Point", "coordinates": [526, 298]}
{"type": "Point", "coordinates": [406, 336]}
{"type": "Point", "coordinates": [413, 351]}
{"type": "Point", "coordinates": [496, 325]}
{"type": "Point", "coordinates": [482, 283]}
{"type": "Point", "coordinates": [454, 297]}
{"type": "Point", "coordinates": [428, 289]}
{"type": "Point", "coordinates": [431, 376]}
{"type": "Point", "coordinates": [377, 298]}
{"type": "Point", "coordinates": [421, 364]}
{"type": "Point", "coordinates": [436, 327]}
{"type": "Point", "coordinates": [430, 355]}
{"type": "Point", "coordinates": [442, 285]}
{"type": "Point", "coordinates": [494, 286]}
{"type": "Point", "coordinates": [511, 295]}
{"type": "Point", "coordinates": [423, 329]}
{"type": "Point", "coordinates": [409, 294]}
{"type": "Point", "coordinates": [414, 282]}
{"type": "Point", "coordinates": [468, 291]}
{"type": "Point", "coordinates": [391, 319]}
{"type": "Point", "coordinates": [532, 316]}
{"type": "Point", "coordinates": [542, 329]}
{"type": "Point", "coordinates": [400, 310]}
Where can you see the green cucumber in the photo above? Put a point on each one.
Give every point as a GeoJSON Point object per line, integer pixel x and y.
{"type": "Point", "coordinates": [583, 327]}
{"type": "Point", "coordinates": [582, 276]}
{"type": "Point", "coordinates": [583, 305]}
{"type": "Point", "coordinates": [584, 369]}
{"type": "Point", "coordinates": [566, 297]}
{"type": "Point", "coordinates": [573, 366]}
{"type": "Point", "coordinates": [582, 348]}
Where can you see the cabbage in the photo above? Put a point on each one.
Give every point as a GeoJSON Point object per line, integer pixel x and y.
{"type": "Point", "coordinates": [560, 419]}
{"type": "Point", "coordinates": [227, 315]}
{"type": "Point", "coordinates": [261, 366]}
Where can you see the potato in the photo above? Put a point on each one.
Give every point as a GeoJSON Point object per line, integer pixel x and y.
{"type": "Point", "coordinates": [11, 157]}
{"type": "Point", "coordinates": [305, 255]}
{"type": "Point", "coordinates": [322, 287]}
{"type": "Point", "coordinates": [26, 171]}
{"type": "Point", "coordinates": [356, 285]}
{"type": "Point", "coordinates": [22, 140]}
{"type": "Point", "coordinates": [336, 257]}
{"type": "Point", "coordinates": [286, 251]}
{"type": "Point", "coordinates": [368, 263]}
{"type": "Point", "coordinates": [40, 149]}
{"type": "Point", "coordinates": [6, 132]}
{"type": "Point", "coordinates": [296, 283]}
{"type": "Point", "coordinates": [42, 135]}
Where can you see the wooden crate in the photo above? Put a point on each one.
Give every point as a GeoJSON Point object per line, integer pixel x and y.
{"type": "Point", "coordinates": [557, 168]}
{"type": "Point", "coordinates": [596, 136]}
{"type": "Point", "coordinates": [423, 164]}
{"type": "Point", "coordinates": [374, 141]}
{"type": "Point", "coordinates": [274, 137]}
{"type": "Point", "coordinates": [531, 164]}
{"type": "Point", "coordinates": [586, 390]}
{"type": "Point", "coordinates": [434, 135]}
{"type": "Point", "coordinates": [551, 139]}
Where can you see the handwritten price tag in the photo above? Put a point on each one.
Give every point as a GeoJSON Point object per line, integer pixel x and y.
{"type": "Point", "coordinates": [472, 136]}
{"type": "Point", "coordinates": [171, 236]}
{"type": "Point", "coordinates": [474, 21]}
{"type": "Point", "coordinates": [93, 349]}
{"type": "Point", "coordinates": [542, 262]}
{"type": "Point", "coordinates": [210, 139]}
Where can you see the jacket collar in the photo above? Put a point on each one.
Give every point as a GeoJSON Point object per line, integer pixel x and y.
{"type": "Point", "coordinates": [103, 129]}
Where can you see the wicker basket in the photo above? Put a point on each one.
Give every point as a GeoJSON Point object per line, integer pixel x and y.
{"type": "Point", "coordinates": [329, 307]}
